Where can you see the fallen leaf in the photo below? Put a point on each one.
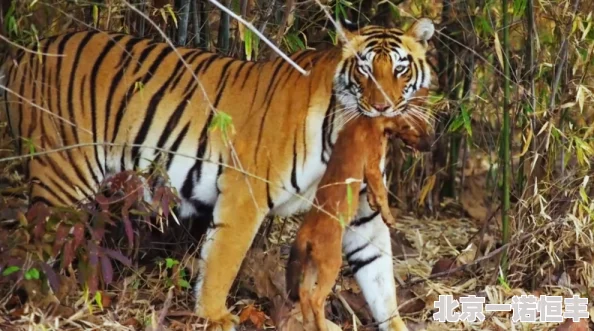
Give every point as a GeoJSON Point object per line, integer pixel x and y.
{"type": "Point", "coordinates": [570, 325]}
{"type": "Point", "coordinates": [254, 315]}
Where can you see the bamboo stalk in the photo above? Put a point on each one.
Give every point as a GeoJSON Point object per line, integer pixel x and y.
{"type": "Point", "coordinates": [505, 138]}
{"type": "Point", "coordinates": [184, 18]}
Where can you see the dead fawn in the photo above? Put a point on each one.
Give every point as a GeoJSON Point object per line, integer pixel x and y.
{"type": "Point", "coordinates": [316, 253]}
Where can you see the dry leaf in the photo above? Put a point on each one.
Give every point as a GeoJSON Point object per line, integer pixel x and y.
{"type": "Point", "coordinates": [254, 315]}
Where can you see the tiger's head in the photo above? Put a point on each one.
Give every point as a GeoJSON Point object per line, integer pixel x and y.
{"type": "Point", "coordinates": [383, 69]}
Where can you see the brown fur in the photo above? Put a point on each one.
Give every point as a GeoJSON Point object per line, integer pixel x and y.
{"type": "Point", "coordinates": [316, 254]}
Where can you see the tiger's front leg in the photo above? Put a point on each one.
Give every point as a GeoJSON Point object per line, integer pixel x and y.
{"type": "Point", "coordinates": [237, 215]}
{"type": "Point", "coordinates": [368, 250]}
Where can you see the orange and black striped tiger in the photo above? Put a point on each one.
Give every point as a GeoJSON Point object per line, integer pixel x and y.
{"type": "Point", "coordinates": [112, 102]}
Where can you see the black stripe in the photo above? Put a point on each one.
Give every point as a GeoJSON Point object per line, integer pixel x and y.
{"type": "Point", "coordinates": [43, 200]}
{"type": "Point", "coordinates": [364, 220]}
{"type": "Point", "coordinates": [172, 123]}
{"type": "Point", "coordinates": [268, 197]}
{"type": "Point", "coordinates": [272, 86]}
{"type": "Point", "coordinates": [219, 172]}
{"type": "Point", "coordinates": [198, 69]}
{"type": "Point", "coordinates": [122, 66]}
{"type": "Point", "coordinates": [191, 57]}
{"type": "Point", "coordinates": [248, 75]}
{"type": "Point", "coordinates": [34, 84]}
{"type": "Point", "coordinates": [356, 250]}
{"type": "Point", "coordinates": [93, 88]}
{"type": "Point", "coordinates": [82, 103]}
{"type": "Point", "coordinates": [21, 113]}
{"type": "Point", "coordinates": [152, 107]}
{"type": "Point", "coordinates": [238, 71]}
{"type": "Point", "coordinates": [269, 91]}
{"type": "Point", "coordinates": [81, 45]}
{"type": "Point", "coordinates": [359, 264]}
{"type": "Point", "coordinates": [188, 186]}
{"type": "Point", "coordinates": [327, 126]}
{"type": "Point", "coordinates": [48, 189]}
{"type": "Point", "coordinates": [223, 76]}
{"type": "Point", "coordinates": [145, 53]}
{"type": "Point", "coordinates": [128, 48]}
{"type": "Point", "coordinates": [363, 190]}
{"type": "Point", "coordinates": [203, 66]}
{"type": "Point", "coordinates": [294, 170]}
{"type": "Point", "coordinates": [63, 190]}
{"type": "Point", "coordinates": [7, 83]}
{"type": "Point", "coordinates": [422, 71]}
{"type": "Point", "coordinates": [176, 143]}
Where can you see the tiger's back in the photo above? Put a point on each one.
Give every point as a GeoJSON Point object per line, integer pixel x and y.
{"type": "Point", "coordinates": [114, 102]}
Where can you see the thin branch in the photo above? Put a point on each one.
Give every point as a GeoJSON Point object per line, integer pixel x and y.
{"type": "Point", "coordinates": [262, 37]}
{"type": "Point", "coordinates": [3, 87]}
{"type": "Point", "coordinates": [563, 52]}
{"type": "Point", "coordinates": [12, 43]}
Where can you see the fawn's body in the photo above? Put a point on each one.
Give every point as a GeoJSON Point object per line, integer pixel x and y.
{"type": "Point", "coordinates": [316, 254]}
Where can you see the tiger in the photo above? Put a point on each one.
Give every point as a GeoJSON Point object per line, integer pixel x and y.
{"type": "Point", "coordinates": [95, 103]}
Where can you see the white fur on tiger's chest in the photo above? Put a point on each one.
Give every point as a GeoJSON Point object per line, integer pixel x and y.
{"type": "Point", "coordinates": [309, 172]}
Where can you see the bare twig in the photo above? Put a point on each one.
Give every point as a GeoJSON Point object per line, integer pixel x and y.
{"type": "Point", "coordinates": [12, 43]}
{"type": "Point", "coordinates": [262, 37]}
{"type": "Point", "coordinates": [563, 58]}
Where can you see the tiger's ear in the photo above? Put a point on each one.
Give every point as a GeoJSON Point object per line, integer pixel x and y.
{"type": "Point", "coordinates": [348, 28]}
{"type": "Point", "coordinates": [422, 30]}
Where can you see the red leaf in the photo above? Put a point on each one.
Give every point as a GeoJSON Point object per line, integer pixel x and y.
{"type": "Point", "coordinates": [103, 202]}
{"type": "Point", "coordinates": [129, 230]}
{"type": "Point", "coordinates": [93, 254]}
{"type": "Point", "coordinates": [106, 269]}
{"type": "Point", "coordinates": [79, 234]}
{"type": "Point", "coordinates": [51, 276]}
{"type": "Point", "coordinates": [68, 254]}
{"type": "Point", "coordinates": [117, 256]}
{"type": "Point", "coordinates": [61, 234]}
{"type": "Point", "coordinates": [92, 281]}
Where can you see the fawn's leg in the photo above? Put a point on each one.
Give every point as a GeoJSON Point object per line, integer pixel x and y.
{"type": "Point", "coordinates": [237, 216]}
{"type": "Point", "coordinates": [327, 273]}
{"type": "Point", "coordinates": [368, 250]}
{"type": "Point", "coordinates": [377, 190]}
{"type": "Point", "coordinates": [306, 295]}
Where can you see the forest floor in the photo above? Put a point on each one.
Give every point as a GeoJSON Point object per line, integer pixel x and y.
{"type": "Point", "coordinates": [451, 253]}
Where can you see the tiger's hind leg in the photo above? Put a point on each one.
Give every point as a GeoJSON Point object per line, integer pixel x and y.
{"type": "Point", "coordinates": [238, 214]}
{"type": "Point", "coordinates": [368, 250]}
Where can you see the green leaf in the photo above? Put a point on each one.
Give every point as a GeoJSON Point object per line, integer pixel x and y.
{"type": "Point", "coordinates": [247, 35]}
{"type": "Point", "coordinates": [32, 273]}
{"type": "Point", "coordinates": [349, 196]}
{"type": "Point", "coordinates": [98, 299]}
{"type": "Point", "coordinates": [184, 283]}
{"type": "Point", "coordinates": [10, 270]}
{"type": "Point", "coordinates": [341, 221]}
{"type": "Point", "coordinates": [169, 263]}
{"type": "Point", "coordinates": [95, 15]}
{"type": "Point", "coordinates": [223, 122]}
{"type": "Point", "coordinates": [466, 119]}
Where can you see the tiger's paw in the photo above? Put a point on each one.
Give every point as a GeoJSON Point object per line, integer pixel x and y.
{"type": "Point", "coordinates": [225, 323]}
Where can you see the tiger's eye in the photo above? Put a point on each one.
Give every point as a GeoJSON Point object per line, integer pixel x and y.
{"type": "Point", "coordinates": [400, 68]}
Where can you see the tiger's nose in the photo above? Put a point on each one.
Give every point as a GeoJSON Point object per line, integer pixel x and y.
{"type": "Point", "coordinates": [381, 106]}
